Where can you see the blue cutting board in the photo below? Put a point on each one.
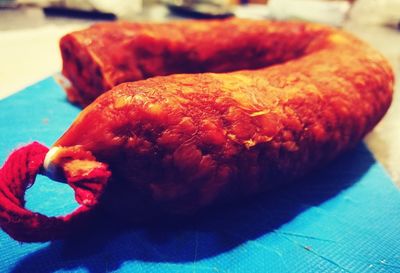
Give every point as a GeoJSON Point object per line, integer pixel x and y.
{"type": "Point", "coordinates": [343, 218]}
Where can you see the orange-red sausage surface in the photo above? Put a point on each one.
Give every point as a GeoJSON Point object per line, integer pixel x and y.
{"type": "Point", "coordinates": [182, 142]}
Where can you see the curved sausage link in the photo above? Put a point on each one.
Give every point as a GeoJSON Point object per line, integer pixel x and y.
{"type": "Point", "coordinates": [182, 142]}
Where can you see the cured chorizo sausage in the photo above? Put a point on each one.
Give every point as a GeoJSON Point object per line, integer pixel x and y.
{"type": "Point", "coordinates": [179, 143]}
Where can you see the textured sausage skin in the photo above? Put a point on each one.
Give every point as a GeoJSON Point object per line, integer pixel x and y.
{"type": "Point", "coordinates": [182, 142]}
{"type": "Point", "coordinates": [107, 54]}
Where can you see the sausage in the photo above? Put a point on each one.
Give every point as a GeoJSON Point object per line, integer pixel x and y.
{"type": "Point", "coordinates": [180, 143]}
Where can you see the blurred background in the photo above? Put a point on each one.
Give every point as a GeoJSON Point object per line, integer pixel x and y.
{"type": "Point", "coordinates": [30, 31]}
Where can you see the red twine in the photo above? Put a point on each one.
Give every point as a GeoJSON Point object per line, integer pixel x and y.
{"type": "Point", "coordinates": [19, 173]}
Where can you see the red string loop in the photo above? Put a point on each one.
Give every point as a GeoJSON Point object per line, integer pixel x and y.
{"type": "Point", "coordinates": [19, 173]}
